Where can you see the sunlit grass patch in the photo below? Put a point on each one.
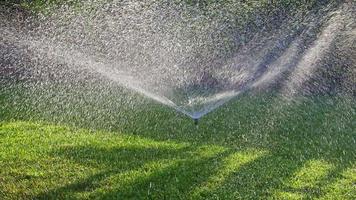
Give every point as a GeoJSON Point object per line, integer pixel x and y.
{"type": "Point", "coordinates": [268, 150]}
{"type": "Point", "coordinates": [344, 187]}
{"type": "Point", "coordinates": [46, 161]}
{"type": "Point", "coordinates": [308, 180]}
{"type": "Point", "coordinates": [37, 157]}
{"type": "Point", "coordinates": [230, 165]}
{"type": "Point", "coordinates": [288, 195]}
{"type": "Point", "coordinates": [311, 173]}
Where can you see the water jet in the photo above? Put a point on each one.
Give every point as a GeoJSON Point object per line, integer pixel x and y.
{"type": "Point", "coordinates": [179, 55]}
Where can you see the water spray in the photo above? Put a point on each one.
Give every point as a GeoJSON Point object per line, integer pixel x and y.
{"type": "Point", "coordinates": [147, 48]}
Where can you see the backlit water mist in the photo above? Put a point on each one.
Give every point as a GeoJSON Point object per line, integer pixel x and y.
{"type": "Point", "coordinates": [190, 58]}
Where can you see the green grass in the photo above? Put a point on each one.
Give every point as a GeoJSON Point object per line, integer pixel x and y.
{"type": "Point", "coordinates": [78, 144]}
{"type": "Point", "coordinates": [256, 147]}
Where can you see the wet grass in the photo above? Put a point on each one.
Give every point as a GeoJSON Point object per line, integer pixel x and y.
{"type": "Point", "coordinates": [256, 147]}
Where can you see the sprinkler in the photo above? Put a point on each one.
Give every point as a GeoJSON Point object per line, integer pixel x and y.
{"type": "Point", "coordinates": [196, 121]}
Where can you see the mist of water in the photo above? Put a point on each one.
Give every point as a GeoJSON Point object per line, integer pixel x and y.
{"type": "Point", "coordinates": [191, 59]}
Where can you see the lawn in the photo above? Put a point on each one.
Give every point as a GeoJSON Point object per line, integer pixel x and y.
{"type": "Point", "coordinates": [256, 147]}
{"type": "Point", "coordinates": [90, 139]}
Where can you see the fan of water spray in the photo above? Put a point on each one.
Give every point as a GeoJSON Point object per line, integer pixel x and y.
{"type": "Point", "coordinates": [190, 57]}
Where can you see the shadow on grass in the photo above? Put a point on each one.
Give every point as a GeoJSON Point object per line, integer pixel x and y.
{"type": "Point", "coordinates": [133, 173]}
{"type": "Point", "coordinates": [308, 145]}
{"type": "Point", "coordinates": [299, 150]}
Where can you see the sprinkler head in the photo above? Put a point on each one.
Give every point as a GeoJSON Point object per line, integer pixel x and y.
{"type": "Point", "coordinates": [196, 121]}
